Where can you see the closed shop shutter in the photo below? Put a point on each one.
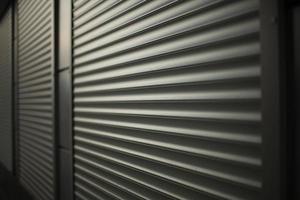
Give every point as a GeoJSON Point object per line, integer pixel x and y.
{"type": "Point", "coordinates": [35, 92]}
{"type": "Point", "coordinates": [167, 99]}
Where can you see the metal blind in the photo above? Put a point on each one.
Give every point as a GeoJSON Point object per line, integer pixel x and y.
{"type": "Point", "coordinates": [167, 99]}
{"type": "Point", "coordinates": [35, 93]}
{"type": "Point", "coordinates": [6, 90]}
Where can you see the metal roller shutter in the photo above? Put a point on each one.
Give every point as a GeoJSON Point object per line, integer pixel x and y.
{"type": "Point", "coordinates": [6, 90]}
{"type": "Point", "coordinates": [167, 99]}
{"type": "Point", "coordinates": [35, 96]}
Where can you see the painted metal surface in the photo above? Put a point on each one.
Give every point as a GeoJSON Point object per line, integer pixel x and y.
{"type": "Point", "coordinates": [6, 138]}
{"type": "Point", "coordinates": [35, 97]}
{"type": "Point", "coordinates": [167, 99]}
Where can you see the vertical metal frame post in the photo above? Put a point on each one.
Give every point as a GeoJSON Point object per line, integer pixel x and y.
{"type": "Point", "coordinates": [273, 100]}
{"type": "Point", "coordinates": [54, 47]}
{"type": "Point", "coordinates": [65, 100]}
{"type": "Point", "coordinates": [15, 87]}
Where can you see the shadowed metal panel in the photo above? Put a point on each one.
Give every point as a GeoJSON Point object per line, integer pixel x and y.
{"type": "Point", "coordinates": [167, 99]}
{"type": "Point", "coordinates": [6, 90]}
{"type": "Point", "coordinates": [35, 106]}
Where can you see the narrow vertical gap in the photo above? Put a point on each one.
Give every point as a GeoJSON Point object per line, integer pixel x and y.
{"type": "Point", "coordinates": [71, 97]}
{"type": "Point", "coordinates": [55, 30]}
{"type": "Point", "coordinates": [13, 103]}
{"type": "Point", "coordinates": [15, 88]}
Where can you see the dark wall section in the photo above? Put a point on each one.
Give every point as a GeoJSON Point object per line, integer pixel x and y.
{"type": "Point", "coordinates": [296, 89]}
{"type": "Point", "coordinates": [6, 90]}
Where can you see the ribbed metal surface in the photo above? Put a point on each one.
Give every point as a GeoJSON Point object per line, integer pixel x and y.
{"type": "Point", "coordinates": [6, 90]}
{"type": "Point", "coordinates": [167, 99]}
{"type": "Point", "coordinates": [35, 106]}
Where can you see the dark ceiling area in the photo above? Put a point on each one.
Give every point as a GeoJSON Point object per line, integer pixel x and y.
{"type": "Point", "coordinates": [3, 6]}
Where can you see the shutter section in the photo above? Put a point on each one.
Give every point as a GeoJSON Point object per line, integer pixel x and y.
{"type": "Point", "coordinates": [6, 90]}
{"type": "Point", "coordinates": [167, 99]}
{"type": "Point", "coordinates": [35, 94]}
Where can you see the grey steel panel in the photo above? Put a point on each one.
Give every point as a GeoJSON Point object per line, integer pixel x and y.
{"type": "Point", "coordinates": [35, 104]}
{"type": "Point", "coordinates": [66, 175]}
{"type": "Point", "coordinates": [65, 110]}
{"type": "Point", "coordinates": [6, 157]}
{"type": "Point", "coordinates": [65, 32]}
{"type": "Point", "coordinates": [65, 88]}
{"type": "Point", "coordinates": [167, 100]}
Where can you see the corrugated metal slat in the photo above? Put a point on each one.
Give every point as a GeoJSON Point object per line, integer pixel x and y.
{"type": "Point", "coordinates": [35, 96]}
{"type": "Point", "coordinates": [167, 99]}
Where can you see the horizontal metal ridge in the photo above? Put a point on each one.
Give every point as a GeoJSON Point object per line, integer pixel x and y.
{"type": "Point", "coordinates": [103, 9]}
{"type": "Point", "coordinates": [103, 188]}
{"type": "Point", "coordinates": [36, 132]}
{"type": "Point", "coordinates": [32, 150]}
{"type": "Point", "coordinates": [32, 76]}
{"type": "Point", "coordinates": [37, 81]}
{"type": "Point", "coordinates": [31, 185]}
{"type": "Point", "coordinates": [34, 136]}
{"type": "Point", "coordinates": [156, 36]}
{"type": "Point", "coordinates": [36, 94]}
{"type": "Point", "coordinates": [87, 8]}
{"type": "Point", "coordinates": [222, 153]}
{"type": "Point", "coordinates": [38, 62]}
{"type": "Point", "coordinates": [22, 6]}
{"type": "Point", "coordinates": [35, 45]}
{"type": "Point", "coordinates": [38, 146]}
{"type": "Point", "coordinates": [32, 36]}
{"type": "Point", "coordinates": [35, 87]}
{"type": "Point", "coordinates": [43, 129]}
{"type": "Point", "coordinates": [39, 177]}
{"type": "Point", "coordinates": [154, 7]}
{"type": "Point", "coordinates": [160, 79]}
{"type": "Point", "coordinates": [34, 69]}
{"type": "Point", "coordinates": [179, 47]}
{"type": "Point", "coordinates": [90, 36]}
{"type": "Point", "coordinates": [230, 133]}
{"type": "Point", "coordinates": [30, 14]}
{"type": "Point", "coordinates": [144, 41]}
{"type": "Point", "coordinates": [155, 94]}
{"type": "Point", "coordinates": [36, 101]}
{"type": "Point", "coordinates": [237, 116]}
{"type": "Point", "coordinates": [42, 173]}
{"type": "Point", "coordinates": [181, 96]}
{"type": "Point", "coordinates": [211, 173]}
{"type": "Point", "coordinates": [211, 53]}
{"type": "Point", "coordinates": [90, 193]}
{"type": "Point", "coordinates": [47, 169]}
{"type": "Point", "coordinates": [135, 190]}
{"type": "Point", "coordinates": [25, 13]}
{"type": "Point", "coordinates": [115, 36]}
{"type": "Point", "coordinates": [34, 98]}
{"type": "Point", "coordinates": [44, 29]}
{"type": "Point", "coordinates": [42, 188]}
{"type": "Point", "coordinates": [31, 25]}
{"type": "Point", "coordinates": [169, 174]}
{"type": "Point", "coordinates": [179, 64]}
{"type": "Point", "coordinates": [167, 100]}
{"type": "Point", "coordinates": [42, 115]}
{"type": "Point", "coordinates": [43, 51]}
{"type": "Point", "coordinates": [118, 11]}
{"type": "Point", "coordinates": [77, 4]}
{"type": "Point", "coordinates": [148, 181]}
